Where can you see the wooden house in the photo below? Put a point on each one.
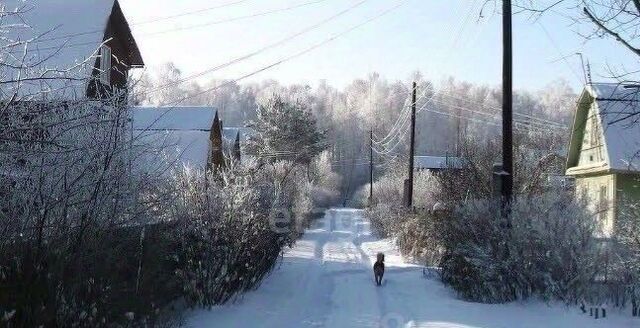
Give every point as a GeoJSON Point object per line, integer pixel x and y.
{"type": "Point", "coordinates": [603, 151]}
{"type": "Point", "coordinates": [79, 48]}
{"type": "Point", "coordinates": [190, 136]}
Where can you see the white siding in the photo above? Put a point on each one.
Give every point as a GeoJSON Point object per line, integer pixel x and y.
{"type": "Point", "coordinates": [600, 194]}
{"type": "Point", "coordinates": [592, 148]}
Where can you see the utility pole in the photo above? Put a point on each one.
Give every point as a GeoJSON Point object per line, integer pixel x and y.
{"type": "Point", "coordinates": [412, 146]}
{"type": "Point", "coordinates": [507, 108]}
{"type": "Point", "coordinates": [370, 166]}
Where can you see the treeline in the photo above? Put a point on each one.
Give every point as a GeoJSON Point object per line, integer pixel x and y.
{"type": "Point", "coordinates": [372, 103]}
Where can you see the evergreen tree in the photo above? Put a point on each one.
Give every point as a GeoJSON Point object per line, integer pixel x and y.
{"type": "Point", "coordinates": [285, 131]}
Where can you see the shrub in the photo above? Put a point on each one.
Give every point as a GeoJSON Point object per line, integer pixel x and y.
{"type": "Point", "coordinates": [228, 240]}
{"type": "Point", "coordinates": [549, 251]}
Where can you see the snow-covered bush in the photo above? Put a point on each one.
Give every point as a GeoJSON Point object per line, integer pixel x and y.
{"type": "Point", "coordinates": [388, 190]}
{"type": "Point", "coordinates": [623, 270]}
{"type": "Point", "coordinates": [325, 182]}
{"type": "Point", "coordinates": [386, 209]}
{"type": "Point", "coordinates": [389, 217]}
{"type": "Point", "coordinates": [535, 157]}
{"type": "Point", "coordinates": [550, 251]}
{"type": "Point", "coordinates": [418, 237]}
{"type": "Point", "coordinates": [233, 226]}
{"type": "Point", "coordinates": [65, 193]}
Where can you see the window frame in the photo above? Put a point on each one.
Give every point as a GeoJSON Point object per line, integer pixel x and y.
{"type": "Point", "coordinates": [105, 65]}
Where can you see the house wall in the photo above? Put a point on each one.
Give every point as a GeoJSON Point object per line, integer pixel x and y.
{"type": "Point", "coordinates": [600, 192]}
{"type": "Point", "coordinates": [592, 148]}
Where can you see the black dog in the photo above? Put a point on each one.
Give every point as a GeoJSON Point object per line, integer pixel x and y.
{"type": "Point", "coordinates": [378, 269]}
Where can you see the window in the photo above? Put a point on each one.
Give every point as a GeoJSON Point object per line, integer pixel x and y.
{"type": "Point", "coordinates": [105, 65]}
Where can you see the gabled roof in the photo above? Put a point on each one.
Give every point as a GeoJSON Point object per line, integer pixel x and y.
{"type": "Point", "coordinates": [174, 118]}
{"type": "Point", "coordinates": [63, 34]}
{"type": "Point", "coordinates": [437, 162]}
{"type": "Point", "coordinates": [181, 133]}
{"type": "Point", "coordinates": [188, 148]}
{"type": "Point", "coordinates": [616, 106]}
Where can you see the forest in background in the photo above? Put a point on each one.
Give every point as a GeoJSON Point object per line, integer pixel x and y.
{"type": "Point", "coordinates": [450, 110]}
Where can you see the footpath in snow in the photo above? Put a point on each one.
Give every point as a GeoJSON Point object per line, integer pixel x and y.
{"type": "Point", "coordinates": [326, 280]}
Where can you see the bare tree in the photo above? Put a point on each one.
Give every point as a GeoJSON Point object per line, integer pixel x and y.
{"type": "Point", "coordinates": [618, 20]}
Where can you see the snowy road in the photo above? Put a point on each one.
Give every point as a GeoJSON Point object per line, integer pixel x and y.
{"type": "Point", "coordinates": [326, 281]}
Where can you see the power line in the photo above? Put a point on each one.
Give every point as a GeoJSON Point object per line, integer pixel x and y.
{"type": "Point", "coordinates": [258, 51]}
{"type": "Point", "coordinates": [73, 45]}
{"type": "Point", "coordinates": [483, 121]}
{"type": "Point", "coordinates": [96, 31]}
{"type": "Point", "coordinates": [303, 52]}
{"type": "Point", "coordinates": [468, 118]}
{"type": "Point", "coordinates": [285, 59]}
{"type": "Point", "coordinates": [404, 115]}
{"type": "Point", "coordinates": [532, 124]}
{"type": "Point", "coordinates": [234, 19]}
{"type": "Point", "coordinates": [532, 119]}
{"type": "Point", "coordinates": [188, 13]}
{"type": "Point", "coordinates": [555, 45]}
{"type": "Point", "coordinates": [539, 119]}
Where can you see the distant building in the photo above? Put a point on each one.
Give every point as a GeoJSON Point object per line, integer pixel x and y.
{"type": "Point", "coordinates": [235, 141]}
{"type": "Point", "coordinates": [437, 163]}
{"type": "Point", "coordinates": [84, 48]}
{"type": "Point", "coordinates": [231, 143]}
{"type": "Point", "coordinates": [603, 152]}
{"type": "Point", "coordinates": [190, 135]}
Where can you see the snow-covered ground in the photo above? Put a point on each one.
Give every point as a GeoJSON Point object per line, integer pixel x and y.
{"type": "Point", "coordinates": [326, 281]}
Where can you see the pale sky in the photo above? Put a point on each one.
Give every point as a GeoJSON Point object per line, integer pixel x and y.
{"type": "Point", "coordinates": [440, 38]}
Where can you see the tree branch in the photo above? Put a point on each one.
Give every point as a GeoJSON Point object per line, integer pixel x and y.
{"type": "Point", "coordinates": [637, 4]}
{"type": "Point", "coordinates": [611, 32]}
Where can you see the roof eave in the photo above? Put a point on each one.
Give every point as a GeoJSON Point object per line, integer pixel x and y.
{"type": "Point", "coordinates": [574, 144]}
{"type": "Point", "coordinates": [588, 169]}
{"type": "Point", "coordinates": [135, 56]}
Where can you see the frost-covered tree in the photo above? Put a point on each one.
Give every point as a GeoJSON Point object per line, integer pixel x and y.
{"type": "Point", "coordinates": [285, 130]}
{"type": "Point", "coordinates": [457, 109]}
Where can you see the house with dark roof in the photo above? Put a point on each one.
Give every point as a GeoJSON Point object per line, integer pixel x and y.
{"type": "Point", "coordinates": [76, 49]}
{"type": "Point", "coordinates": [603, 150]}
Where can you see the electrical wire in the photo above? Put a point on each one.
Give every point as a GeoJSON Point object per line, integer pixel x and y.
{"type": "Point", "coordinates": [258, 51]}
{"type": "Point", "coordinates": [406, 108]}
{"type": "Point", "coordinates": [296, 55]}
{"type": "Point", "coordinates": [174, 103]}
{"type": "Point", "coordinates": [232, 19]}
{"type": "Point", "coordinates": [188, 13]}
